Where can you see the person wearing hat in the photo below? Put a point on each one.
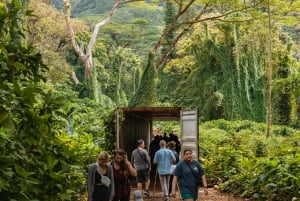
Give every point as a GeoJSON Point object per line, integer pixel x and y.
{"type": "Point", "coordinates": [137, 195]}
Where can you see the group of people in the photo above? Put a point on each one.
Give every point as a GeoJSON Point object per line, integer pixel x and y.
{"type": "Point", "coordinates": [109, 181]}
{"type": "Point", "coordinates": [173, 137]}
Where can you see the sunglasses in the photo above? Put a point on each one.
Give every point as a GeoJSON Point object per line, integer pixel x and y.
{"type": "Point", "coordinates": [119, 151]}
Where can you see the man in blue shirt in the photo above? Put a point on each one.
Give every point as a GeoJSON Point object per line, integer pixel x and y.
{"type": "Point", "coordinates": [164, 158]}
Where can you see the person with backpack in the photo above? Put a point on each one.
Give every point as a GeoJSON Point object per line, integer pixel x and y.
{"type": "Point", "coordinates": [141, 162]}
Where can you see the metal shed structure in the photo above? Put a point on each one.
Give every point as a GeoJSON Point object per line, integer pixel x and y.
{"type": "Point", "coordinates": [137, 123]}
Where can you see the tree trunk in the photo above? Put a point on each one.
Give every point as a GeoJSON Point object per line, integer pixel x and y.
{"type": "Point", "coordinates": [85, 53]}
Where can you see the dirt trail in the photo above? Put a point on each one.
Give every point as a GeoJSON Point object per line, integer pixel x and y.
{"type": "Point", "coordinates": [213, 195]}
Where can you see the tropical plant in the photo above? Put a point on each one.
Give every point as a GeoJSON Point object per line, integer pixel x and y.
{"type": "Point", "coordinates": [38, 160]}
{"type": "Point", "coordinates": [242, 161]}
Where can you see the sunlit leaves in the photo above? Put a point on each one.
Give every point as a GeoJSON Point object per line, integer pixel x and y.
{"type": "Point", "coordinates": [31, 154]}
{"type": "Point", "coordinates": [229, 147]}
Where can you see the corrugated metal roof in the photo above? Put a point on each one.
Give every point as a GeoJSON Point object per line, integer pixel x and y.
{"type": "Point", "coordinates": [154, 113]}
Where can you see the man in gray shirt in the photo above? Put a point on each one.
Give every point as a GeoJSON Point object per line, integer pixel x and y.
{"type": "Point", "coordinates": [141, 161]}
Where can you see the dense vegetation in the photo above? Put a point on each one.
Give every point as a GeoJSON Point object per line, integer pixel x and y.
{"type": "Point", "coordinates": [242, 161]}
{"type": "Point", "coordinates": [51, 128]}
{"type": "Point", "coordinates": [218, 66]}
{"type": "Point", "coordinates": [42, 157]}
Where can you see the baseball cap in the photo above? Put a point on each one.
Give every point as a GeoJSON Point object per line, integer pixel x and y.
{"type": "Point", "coordinates": [137, 195]}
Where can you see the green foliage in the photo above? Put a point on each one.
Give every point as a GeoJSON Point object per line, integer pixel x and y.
{"type": "Point", "coordinates": [220, 66]}
{"type": "Point", "coordinates": [238, 158]}
{"type": "Point", "coordinates": [38, 160]}
{"type": "Point", "coordinates": [220, 82]}
{"type": "Point", "coordinates": [285, 103]}
{"type": "Point", "coordinates": [169, 17]}
{"type": "Point", "coordinates": [110, 131]}
{"type": "Point", "coordinates": [166, 126]}
{"type": "Point", "coordinates": [146, 92]}
{"type": "Point", "coordinates": [87, 7]}
{"type": "Point", "coordinates": [48, 33]}
{"type": "Point", "coordinates": [122, 68]}
{"type": "Point", "coordinates": [116, 69]}
{"type": "Point", "coordinates": [82, 116]}
{"type": "Point", "coordinates": [133, 25]}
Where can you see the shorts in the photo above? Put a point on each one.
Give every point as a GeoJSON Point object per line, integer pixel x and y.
{"type": "Point", "coordinates": [189, 196]}
{"type": "Point", "coordinates": [142, 175]}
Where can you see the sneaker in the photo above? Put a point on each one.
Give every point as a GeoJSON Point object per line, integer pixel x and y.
{"type": "Point", "coordinates": [166, 198]}
{"type": "Point", "coordinates": [146, 193]}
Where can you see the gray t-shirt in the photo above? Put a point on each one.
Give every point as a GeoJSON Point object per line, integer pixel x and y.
{"type": "Point", "coordinates": [140, 159]}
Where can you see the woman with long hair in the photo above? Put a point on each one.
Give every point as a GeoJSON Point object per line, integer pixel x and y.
{"type": "Point", "coordinates": [122, 168]}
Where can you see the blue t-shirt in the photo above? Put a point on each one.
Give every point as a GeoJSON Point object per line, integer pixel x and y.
{"type": "Point", "coordinates": [186, 179]}
{"type": "Point", "coordinates": [176, 156]}
{"type": "Point", "coordinates": [164, 157]}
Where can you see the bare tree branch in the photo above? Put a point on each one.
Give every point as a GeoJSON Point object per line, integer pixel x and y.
{"type": "Point", "coordinates": [197, 19]}
{"type": "Point", "coordinates": [85, 54]}
{"type": "Point", "coordinates": [100, 24]}
{"type": "Point", "coordinates": [173, 24]}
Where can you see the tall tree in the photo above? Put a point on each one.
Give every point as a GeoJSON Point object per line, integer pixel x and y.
{"type": "Point", "coordinates": [48, 33]}
{"type": "Point", "coordinates": [270, 72]}
{"type": "Point", "coordinates": [179, 24]}
{"type": "Point", "coordinates": [197, 12]}
{"type": "Point", "coordinates": [85, 53]}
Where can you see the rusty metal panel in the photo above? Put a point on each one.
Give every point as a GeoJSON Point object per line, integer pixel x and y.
{"type": "Point", "coordinates": [132, 128]}
{"type": "Point", "coordinates": [155, 113]}
{"type": "Point", "coordinates": [190, 131]}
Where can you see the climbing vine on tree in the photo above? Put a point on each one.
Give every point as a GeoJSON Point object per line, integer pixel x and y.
{"type": "Point", "coordinates": [146, 93]}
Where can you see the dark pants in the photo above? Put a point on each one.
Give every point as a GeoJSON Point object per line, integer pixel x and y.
{"type": "Point", "coordinates": [101, 193]}
{"type": "Point", "coordinates": [142, 175]}
{"type": "Point", "coordinates": [170, 183]}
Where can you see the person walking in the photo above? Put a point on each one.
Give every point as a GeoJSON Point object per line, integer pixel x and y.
{"type": "Point", "coordinates": [100, 189]}
{"type": "Point", "coordinates": [122, 168]}
{"type": "Point", "coordinates": [154, 147]}
{"type": "Point", "coordinates": [141, 162]}
{"type": "Point", "coordinates": [164, 158]}
{"type": "Point", "coordinates": [185, 177]}
{"type": "Point", "coordinates": [172, 145]}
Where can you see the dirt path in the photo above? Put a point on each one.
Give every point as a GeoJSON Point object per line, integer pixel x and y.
{"type": "Point", "coordinates": [213, 195]}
